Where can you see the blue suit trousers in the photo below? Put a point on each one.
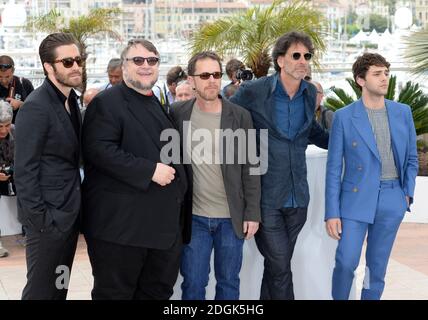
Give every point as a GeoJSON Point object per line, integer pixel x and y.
{"type": "Point", "coordinates": [390, 210]}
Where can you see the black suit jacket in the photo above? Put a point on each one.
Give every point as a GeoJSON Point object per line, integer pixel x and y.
{"type": "Point", "coordinates": [47, 152]}
{"type": "Point", "coordinates": [121, 204]}
{"type": "Point", "coordinates": [242, 189]}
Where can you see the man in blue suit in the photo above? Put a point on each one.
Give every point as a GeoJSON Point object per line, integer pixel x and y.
{"type": "Point", "coordinates": [375, 140]}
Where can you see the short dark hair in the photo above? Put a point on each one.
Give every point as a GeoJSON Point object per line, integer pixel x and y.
{"type": "Point", "coordinates": [191, 67]}
{"type": "Point", "coordinates": [47, 48]}
{"type": "Point", "coordinates": [363, 63]}
{"type": "Point", "coordinates": [175, 75]}
{"type": "Point", "coordinates": [7, 60]}
{"type": "Point", "coordinates": [114, 64]}
{"type": "Point", "coordinates": [285, 41]}
{"type": "Point", "coordinates": [143, 42]}
{"type": "Point", "coordinates": [232, 66]}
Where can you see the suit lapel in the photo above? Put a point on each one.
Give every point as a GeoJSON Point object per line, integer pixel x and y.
{"type": "Point", "coordinates": [362, 124]}
{"type": "Point", "coordinates": [309, 113]}
{"type": "Point", "coordinates": [62, 114]}
{"type": "Point", "coordinates": [140, 114]}
{"type": "Point", "coordinates": [184, 114]}
{"type": "Point", "coordinates": [397, 134]}
{"type": "Point", "coordinates": [226, 122]}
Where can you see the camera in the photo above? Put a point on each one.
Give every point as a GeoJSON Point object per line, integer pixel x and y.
{"type": "Point", "coordinates": [7, 170]}
{"type": "Point", "coordinates": [244, 74]}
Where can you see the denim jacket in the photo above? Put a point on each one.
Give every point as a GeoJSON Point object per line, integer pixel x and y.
{"type": "Point", "coordinates": [286, 158]}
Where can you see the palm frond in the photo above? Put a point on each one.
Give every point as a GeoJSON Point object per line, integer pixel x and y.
{"type": "Point", "coordinates": [391, 88]}
{"type": "Point", "coordinates": [252, 34]}
{"type": "Point", "coordinates": [354, 87]}
{"type": "Point", "coordinates": [342, 99]}
{"type": "Point", "coordinates": [411, 94]}
{"type": "Point", "coordinates": [416, 52]}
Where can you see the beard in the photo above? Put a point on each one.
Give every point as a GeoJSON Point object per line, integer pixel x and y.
{"type": "Point", "coordinates": [65, 79]}
{"type": "Point", "coordinates": [207, 95]}
{"type": "Point", "coordinates": [141, 86]}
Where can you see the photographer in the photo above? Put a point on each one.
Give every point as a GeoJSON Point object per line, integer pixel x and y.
{"type": "Point", "coordinates": [7, 187]}
{"type": "Point", "coordinates": [235, 70]}
{"type": "Point", "coordinates": [13, 89]}
{"type": "Point", "coordinates": [6, 149]}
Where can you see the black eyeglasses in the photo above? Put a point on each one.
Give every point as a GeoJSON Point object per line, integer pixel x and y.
{"type": "Point", "coordinates": [69, 62]}
{"type": "Point", "coordinates": [297, 55]}
{"type": "Point", "coordinates": [5, 66]}
{"type": "Point", "coordinates": [207, 75]}
{"type": "Point", "coordinates": [139, 61]}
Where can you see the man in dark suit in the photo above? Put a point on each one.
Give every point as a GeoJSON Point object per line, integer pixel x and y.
{"type": "Point", "coordinates": [47, 152]}
{"type": "Point", "coordinates": [226, 194]}
{"type": "Point", "coordinates": [133, 204]}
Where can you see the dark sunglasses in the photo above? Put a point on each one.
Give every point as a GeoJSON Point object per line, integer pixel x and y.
{"type": "Point", "coordinates": [5, 66]}
{"type": "Point", "coordinates": [139, 61]}
{"type": "Point", "coordinates": [297, 55]}
{"type": "Point", "coordinates": [207, 75]}
{"type": "Point", "coordinates": [69, 62]}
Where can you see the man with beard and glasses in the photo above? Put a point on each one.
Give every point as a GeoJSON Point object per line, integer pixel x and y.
{"type": "Point", "coordinates": [47, 152]}
{"type": "Point", "coordinates": [226, 197]}
{"type": "Point", "coordinates": [134, 206]}
{"type": "Point", "coordinates": [284, 104]}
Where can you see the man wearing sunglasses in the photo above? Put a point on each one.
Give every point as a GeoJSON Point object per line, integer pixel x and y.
{"type": "Point", "coordinates": [134, 205]}
{"type": "Point", "coordinates": [226, 197]}
{"type": "Point", "coordinates": [13, 89]}
{"type": "Point", "coordinates": [47, 177]}
{"type": "Point", "coordinates": [284, 104]}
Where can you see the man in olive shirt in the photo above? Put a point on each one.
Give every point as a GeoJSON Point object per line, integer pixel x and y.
{"type": "Point", "coordinates": [226, 197]}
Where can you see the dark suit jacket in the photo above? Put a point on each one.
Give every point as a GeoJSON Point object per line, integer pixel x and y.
{"type": "Point", "coordinates": [242, 189]}
{"type": "Point", "coordinates": [47, 152]}
{"type": "Point", "coordinates": [121, 203]}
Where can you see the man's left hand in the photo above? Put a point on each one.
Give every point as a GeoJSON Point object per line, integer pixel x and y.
{"type": "Point", "coordinates": [250, 228]}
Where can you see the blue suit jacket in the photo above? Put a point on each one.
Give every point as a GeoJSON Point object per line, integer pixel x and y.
{"type": "Point", "coordinates": [352, 145]}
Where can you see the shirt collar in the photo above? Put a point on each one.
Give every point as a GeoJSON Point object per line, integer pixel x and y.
{"type": "Point", "coordinates": [279, 88]}
{"type": "Point", "coordinates": [60, 95]}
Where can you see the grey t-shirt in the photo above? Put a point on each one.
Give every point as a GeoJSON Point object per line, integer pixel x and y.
{"type": "Point", "coordinates": [379, 120]}
{"type": "Point", "coordinates": [209, 195]}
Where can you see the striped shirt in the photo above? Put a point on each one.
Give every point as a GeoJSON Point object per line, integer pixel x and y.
{"type": "Point", "coordinates": [379, 121]}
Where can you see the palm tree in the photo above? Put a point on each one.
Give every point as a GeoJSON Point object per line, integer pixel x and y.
{"type": "Point", "coordinates": [416, 52]}
{"type": "Point", "coordinates": [96, 21]}
{"type": "Point", "coordinates": [253, 33]}
{"type": "Point", "coordinates": [411, 95]}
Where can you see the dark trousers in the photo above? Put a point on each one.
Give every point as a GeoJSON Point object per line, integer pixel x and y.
{"type": "Point", "coordinates": [275, 240]}
{"type": "Point", "coordinates": [49, 257]}
{"type": "Point", "coordinates": [133, 273]}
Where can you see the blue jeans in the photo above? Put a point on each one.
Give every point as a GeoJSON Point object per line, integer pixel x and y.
{"type": "Point", "coordinates": [209, 233]}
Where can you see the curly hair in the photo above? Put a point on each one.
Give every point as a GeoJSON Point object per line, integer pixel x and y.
{"type": "Point", "coordinates": [363, 64]}
{"type": "Point", "coordinates": [285, 41]}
